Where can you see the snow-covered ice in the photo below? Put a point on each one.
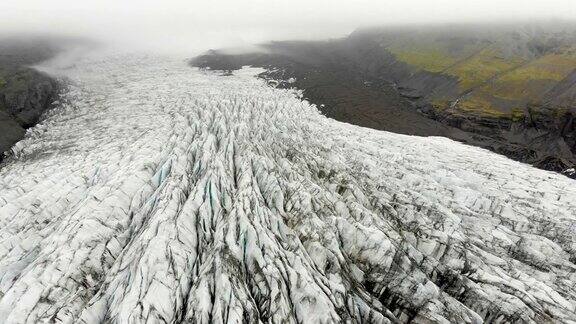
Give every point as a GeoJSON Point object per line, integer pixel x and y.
{"type": "Point", "coordinates": [159, 193]}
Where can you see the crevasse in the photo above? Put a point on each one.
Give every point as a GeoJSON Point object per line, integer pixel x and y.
{"type": "Point", "coordinates": [158, 193]}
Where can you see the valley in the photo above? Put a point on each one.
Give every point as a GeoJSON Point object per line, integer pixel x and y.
{"type": "Point", "coordinates": [507, 88]}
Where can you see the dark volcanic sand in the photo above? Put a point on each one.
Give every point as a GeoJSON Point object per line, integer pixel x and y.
{"type": "Point", "coordinates": [338, 92]}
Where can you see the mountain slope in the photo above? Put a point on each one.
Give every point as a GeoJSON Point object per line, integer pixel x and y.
{"type": "Point", "coordinates": [160, 193]}
{"type": "Point", "coordinates": [498, 70]}
{"type": "Point", "coordinates": [25, 93]}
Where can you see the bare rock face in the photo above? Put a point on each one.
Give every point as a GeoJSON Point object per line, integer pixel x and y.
{"type": "Point", "coordinates": [24, 96]}
{"type": "Point", "coordinates": [11, 132]}
{"type": "Point", "coordinates": [160, 193]}
{"type": "Point", "coordinates": [25, 93]}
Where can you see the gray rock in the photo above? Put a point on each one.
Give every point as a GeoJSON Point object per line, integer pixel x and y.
{"type": "Point", "coordinates": [25, 94]}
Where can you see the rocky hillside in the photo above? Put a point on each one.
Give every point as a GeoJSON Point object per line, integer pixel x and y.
{"type": "Point", "coordinates": [25, 93]}
{"type": "Point", "coordinates": [508, 88]}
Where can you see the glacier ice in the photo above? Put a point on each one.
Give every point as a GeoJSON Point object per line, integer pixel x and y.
{"type": "Point", "coordinates": [159, 193]}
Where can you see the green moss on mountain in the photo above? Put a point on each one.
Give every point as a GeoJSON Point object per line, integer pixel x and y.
{"type": "Point", "coordinates": [495, 72]}
{"type": "Point", "coordinates": [482, 105]}
{"type": "Point", "coordinates": [428, 59]}
{"type": "Point", "coordinates": [479, 68]}
{"type": "Point", "coordinates": [554, 67]}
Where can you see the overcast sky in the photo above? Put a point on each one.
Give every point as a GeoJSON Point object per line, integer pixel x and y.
{"type": "Point", "coordinates": [194, 25]}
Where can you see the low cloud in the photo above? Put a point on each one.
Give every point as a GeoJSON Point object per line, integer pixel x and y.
{"type": "Point", "coordinates": [194, 26]}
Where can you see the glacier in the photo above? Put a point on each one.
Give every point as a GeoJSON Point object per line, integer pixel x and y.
{"type": "Point", "coordinates": [160, 193]}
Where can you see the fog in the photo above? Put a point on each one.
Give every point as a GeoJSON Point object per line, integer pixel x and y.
{"type": "Point", "coordinates": [194, 26]}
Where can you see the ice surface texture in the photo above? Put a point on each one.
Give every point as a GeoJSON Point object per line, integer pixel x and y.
{"type": "Point", "coordinates": [158, 193]}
